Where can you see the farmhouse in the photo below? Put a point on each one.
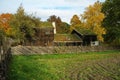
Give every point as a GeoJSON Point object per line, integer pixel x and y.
{"type": "Point", "coordinates": [78, 37]}
{"type": "Point", "coordinates": [46, 35]}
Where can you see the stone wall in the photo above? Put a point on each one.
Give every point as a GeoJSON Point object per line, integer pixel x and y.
{"type": "Point", "coordinates": [28, 50]}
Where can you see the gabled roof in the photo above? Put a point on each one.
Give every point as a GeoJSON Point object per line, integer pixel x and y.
{"type": "Point", "coordinates": [67, 38]}
{"type": "Point", "coordinates": [84, 31]}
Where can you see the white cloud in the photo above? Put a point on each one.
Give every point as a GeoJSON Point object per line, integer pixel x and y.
{"type": "Point", "coordinates": [45, 13]}
{"type": "Point", "coordinates": [44, 8]}
{"type": "Point", "coordinates": [63, 8]}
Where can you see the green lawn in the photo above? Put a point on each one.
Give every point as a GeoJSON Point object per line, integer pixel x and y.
{"type": "Point", "coordinates": [82, 66]}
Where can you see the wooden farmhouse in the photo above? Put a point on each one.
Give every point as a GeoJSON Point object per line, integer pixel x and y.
{"type": "Point", "coordinates": [88, 37]}
{"type": "Point", "coordinates": [47, 36]}
{"type": "Point", "coordinates": [76, 38]}
{"type": "Point", "coordinates": [43, 36]}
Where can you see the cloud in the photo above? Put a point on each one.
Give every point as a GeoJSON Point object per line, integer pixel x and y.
{"type": "Point", "coordinates": [60, 8]}
{"type": "Point", "coordinates": [45, 13]}
{"type": "Point", "coordinates": [44, 8]}
{"type": "Point", "coordinates": [64, 12]}
{"type": "Point", "coordinates": [63, 8]}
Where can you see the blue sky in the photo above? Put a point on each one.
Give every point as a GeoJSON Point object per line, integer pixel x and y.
{"type": "Point", "coordinates": [44, 8]}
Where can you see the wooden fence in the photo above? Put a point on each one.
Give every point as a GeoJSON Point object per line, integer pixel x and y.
{"type": "Point", "coordinates": [5, 55]}
{"type": "Point", "coordinates": [30, 50]}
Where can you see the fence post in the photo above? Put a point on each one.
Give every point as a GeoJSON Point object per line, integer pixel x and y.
{"type": "Point", "coordinates": [5, 52]}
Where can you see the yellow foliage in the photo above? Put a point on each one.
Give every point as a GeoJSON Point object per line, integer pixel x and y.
{"type": "Point", "coordinates": [10, 32]}
{"type": "Point", "coordinates": [4, 22]}
{"type": "Point", "coordinates": [93, 18]}
{"type": "Point", "coordinates": [75, 22]}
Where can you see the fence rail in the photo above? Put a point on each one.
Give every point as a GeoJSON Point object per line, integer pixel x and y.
{"type": "Point", "coordinates": [5, 55]}
{"type": "Point", "coordinates": [29, 50]}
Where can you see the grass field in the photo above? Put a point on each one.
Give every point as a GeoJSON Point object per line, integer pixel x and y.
{"type": "Point", "coordinates": [82, 66]}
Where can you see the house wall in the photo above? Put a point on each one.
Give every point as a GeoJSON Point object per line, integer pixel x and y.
{"type": "Point", "coordinates": [68, 43]}
{"type": "Point", "coordinates": [43, 37]}
{"type": "Point", "coordinates": [88, 39]}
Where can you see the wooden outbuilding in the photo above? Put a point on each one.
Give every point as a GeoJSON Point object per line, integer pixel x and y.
{"type": "Point", "coordinates": [87, 36]}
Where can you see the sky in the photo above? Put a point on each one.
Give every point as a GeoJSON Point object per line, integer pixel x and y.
{"type": "Point", "coordinates": [65, 9]}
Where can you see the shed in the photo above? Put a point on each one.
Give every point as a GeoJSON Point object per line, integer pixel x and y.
{"type": "Point", "coordinates": [88, 37]}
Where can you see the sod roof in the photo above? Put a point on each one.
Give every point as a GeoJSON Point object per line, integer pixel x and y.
{"type": "Point", "coordinates": [84, 31]}
{"type": "Point", "coordinates": [67, 37]}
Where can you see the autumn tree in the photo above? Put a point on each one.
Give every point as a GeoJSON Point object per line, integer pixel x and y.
{"type": "Point", "coordinates": [92, 19]}
{"type": "Point", "coordinates": [52, 18]}
{"type": "Point", "coordinates": [75, 22]}
{"type": "Point", "coordinates": [111, 9]}
{"type": "Point", "coordinates": [60, 26]}
{"type": "Point", "coordinates": [4, 24]}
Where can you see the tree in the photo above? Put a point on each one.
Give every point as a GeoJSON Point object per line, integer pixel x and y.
{"type": "Point", "coordinates": [111, 9]}
{"type": "Point", "coordinates": [58, 25]}
{"type": "Point", "coordinates": [75, 22]}
{"type": "Point", "coordinates": [92, 19]}
{"type": "Point", "coordinates": [23, 25]}
{"type": "Point", "coordinates": [52, 18]}
{"type": "Point", "coordinates": [58, 22]}
{"type": "Point", "coordinates": [4, 23]}
{"type": "Point", "coordinates": [65, 28]}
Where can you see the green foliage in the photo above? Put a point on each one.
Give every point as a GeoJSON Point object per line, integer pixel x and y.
{"type": "Point", "coordinates": [45, 24]}
{"type": "Point", "coordinates": [23, 24]}
{"type": "Point", "coordinates": [1, 36]}
{"type": "Point", "coordinates": [111, 9]}
{"type": "Point", "coordinates": [85, 31]}
{"type": "Point", "coordinates": [66, 37]}
{"type": "Point", "coordinates": [64, 28]}
{"type": "Point", "coordinates": [95, 65]}
{"type": "Point", "coordinates": [61, 27]}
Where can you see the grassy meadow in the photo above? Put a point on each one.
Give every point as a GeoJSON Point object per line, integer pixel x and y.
{"type": "Point", "coordinates": [80, 66]}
